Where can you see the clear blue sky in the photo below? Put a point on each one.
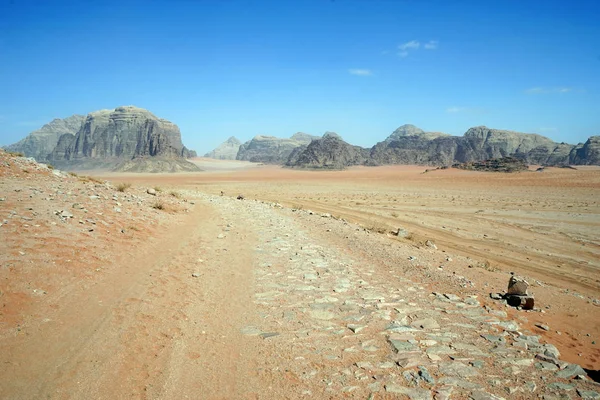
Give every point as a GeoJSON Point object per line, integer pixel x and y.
{"type": "Point", "coordinates": [358, 67]}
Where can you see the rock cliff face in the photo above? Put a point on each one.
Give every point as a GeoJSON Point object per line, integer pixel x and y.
{"type": "Point", "coordinates": [38, 144]}
{"type": "Point", "coordinates": [410, 145]}
{"type": "Point", "coordinates": [272, 150]}
{"type": "Point", "coordinates": [330, 152]}
{"type": "Point", "coordinates": [588, 153]}
{"type": "Point", "coordinates": [109, 137]}
{"type": "Point", "coordinates": [227, 150]}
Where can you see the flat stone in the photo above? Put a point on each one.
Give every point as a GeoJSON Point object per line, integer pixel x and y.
{"type": "Point", "coordinates": [510, 326]}
{"type": "Point", "coordinates": [266, 335]}
{"type": "Point", "coordinates": [481, 395]}
{"type": "Point", "coordinates": [570, 371]}
{"type": "Point", "coordinates": [551, 351]}
{"type": "Point", "coordinates": [322, 314]}
{"type": "Point", "coordinates": [400, 328]}
{"type": "Point", "coordinates": [427, 323]}
{"type": "Point", "coordinates": [356, 328]}
{"type": "Point", "coordinates": [451, 297]}
{"type": "Point", "coordinates": [425, 375]}
{"type": "Point", "coordinates": [461, 383]}
{"type": "Point", "coordinates": [443, 393]}
{"type": "Point", "coordinates": [413, 394]}
{"type": "Point", "coordinates": [440, 350]}
{"type": "Point", "coordinates": [543, 327]}
{"type": "Point", "coordinates": [365, 365]}
{"type": "Point", "coordinates": [458, 369]}
{"type": "Point", "coordinates": [401, 346]}
{"type": "Point", "coordinates": [494, 339]}
{"type": "Point", "coordinates": [560, 386]}
{"type": "Point", "coordinates": [250, 331]}
{"type": "Point", "coordinates": [588, 394]}
{"type": "Point", "coordinates": [546, 366]}
{"type": "Point", "coordinates": [531, 386]}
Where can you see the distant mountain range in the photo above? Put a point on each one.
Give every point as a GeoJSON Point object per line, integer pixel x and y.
{"type": "Point", "coordinates": [127, 138]}
{"type": "Point", "coordinates": [411, 145]}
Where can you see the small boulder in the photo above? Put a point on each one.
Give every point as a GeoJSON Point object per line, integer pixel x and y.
{"type": "Point", "coordinates": [240, 197]}
{"type": "Point", "coordinates": [151, 192]}
{"type": "Point", "coordinates": [517, 286]}
{"type": "Point", "coordinates": [525, 302]}
{"type": "Point", "coordinates": [402, 233]}
{"type": "Point", "coordinates": [430, 244]}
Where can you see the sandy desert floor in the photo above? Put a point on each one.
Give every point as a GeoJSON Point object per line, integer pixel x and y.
{"type": "Point", "coordinates": [301, 290]}
{"type": "Point", "coordinates": [542, 225]}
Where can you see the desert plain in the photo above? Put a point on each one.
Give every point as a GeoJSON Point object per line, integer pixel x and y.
{"type": "Point", "coordinates": [167, 286]}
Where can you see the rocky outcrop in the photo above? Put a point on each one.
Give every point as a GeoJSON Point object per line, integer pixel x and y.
{"type": "Point", "coordinates": [156, 165]}
{"type": "Point", "coordinates": [588, 153]}
{"type": "Point", "coordinates": [227, 150]}
{"type": "Point", "coordinates": [107, 138]}
{"type": "Point", "coordinates": [503, 164]}
{"type": "Point", "coordinates": [38, 144]}
{"type": "Point", "coordinates": [270, 149]}
{"type": "Point", "coordinates": [329, 152]}
{"type": "Point", "coordinates": [411, 145]}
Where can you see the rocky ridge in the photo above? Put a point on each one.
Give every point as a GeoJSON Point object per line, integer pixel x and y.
{"type": "Point", "coordinates": [40, 143]}
{"type": "Point", "coordinates": [411, 145]}
{"type": "Point", "coordinates": [107, 139]}
{"type": "Point", "coordinates": [227, 150]}
{"type": "Point", "coordinates": [271, 149]}
{"type": "Point", "coordinates": [329, 152]}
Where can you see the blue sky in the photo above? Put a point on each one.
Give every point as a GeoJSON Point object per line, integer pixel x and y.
{"type": "Point", "coordinates": [360, 68]}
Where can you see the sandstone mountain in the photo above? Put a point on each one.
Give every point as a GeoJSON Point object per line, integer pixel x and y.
{"type": "Point", "coordinates": [588, 153]}
{"type": "Point", "coordinates": [329, 152]}
{"type": "Point", "coordinates": [272, 150]}
{"type": "Point", "coordinates": [38, 144]}
{"type": "Point", "coordinates": [108, 138]}
{"type": "Point", "coordinates": [411, 145]}
{"type": "Point", "coordinates": [227, 150]}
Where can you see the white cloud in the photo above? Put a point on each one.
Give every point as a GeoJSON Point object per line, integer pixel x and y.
{"type": "Point", "coordinates": [431, 45]}
{"type": "Point", "coordinates": [546, 90]}
{"type": "Point", "coordinates": [405, 48]}
{"type": "Point", "coordinates": [455, 109]}
{"type": "Point", "coordinates": [360, 72]}
{"type": "Point", "coordinates": [413, 44]}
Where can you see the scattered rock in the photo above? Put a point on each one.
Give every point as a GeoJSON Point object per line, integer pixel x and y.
{"type": "Point", "coordinates": [430, 244]}
{"type": "Point", "coordinates": [543, 327]}
{"type": "Point", "coordinates": [525, 302]}
{"type": "Point", "coordinates": [402, 233]}
{"type": "Point", "coordinates": [151, 192]}
{"type": "Point", "coordinates": [517, 286]}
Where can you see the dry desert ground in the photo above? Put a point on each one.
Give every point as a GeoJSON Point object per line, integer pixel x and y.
{"type": "Point", "coordinates": [302, 289]}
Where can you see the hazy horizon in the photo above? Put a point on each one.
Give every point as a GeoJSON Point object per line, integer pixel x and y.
{"type": "Point", "coordinates": [358, 68]}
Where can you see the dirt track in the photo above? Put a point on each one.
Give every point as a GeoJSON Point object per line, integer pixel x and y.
{"type": "Point", "coordinates": [285, 305]}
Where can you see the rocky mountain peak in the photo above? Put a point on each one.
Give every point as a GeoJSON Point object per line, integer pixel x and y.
{"type": "Point", "coordinates": [331, 135]}
{"type": "Point", "coordinates": [225, 151]}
